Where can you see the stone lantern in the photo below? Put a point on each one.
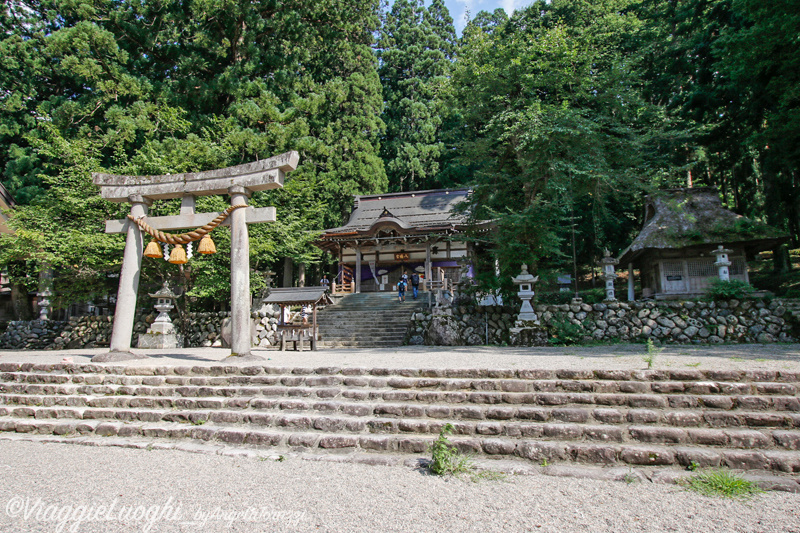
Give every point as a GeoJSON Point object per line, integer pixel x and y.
{"type": "Point", "coordinates": [722, 262]}
{"type": "Point", "coordinates": [609, 275]}
{"type": "Point", "coordinates": [525, 281]}
{"type": "Point", "coordinates": [161, 333]}
{"type": "Point", "coordinates": [44, 304]}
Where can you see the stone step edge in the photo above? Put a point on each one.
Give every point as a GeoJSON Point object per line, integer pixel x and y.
{"type": "Point", "coordinates": [739, 439]}
{"type": "Point", "coordinates": [765, 376]}
{"type": "Point", "coordinates": [512, 467]}
{"type": "Point", "coordinates": [676, 420]}
{"type": "Point", "coordinates": [539, 452]}
{"type": "Point", "coordinates": [721, 403]}
{"type": "Point", "coordinates": [443, 384]}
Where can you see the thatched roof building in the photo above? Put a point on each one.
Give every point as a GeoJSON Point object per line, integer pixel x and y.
{"type": "Point", "coordinates": [681, 229]}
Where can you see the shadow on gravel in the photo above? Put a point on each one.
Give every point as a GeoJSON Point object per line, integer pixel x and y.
{"type": "Point", "coordinates": [181, 356]}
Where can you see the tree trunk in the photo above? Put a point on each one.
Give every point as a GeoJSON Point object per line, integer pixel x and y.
{"type": "Point", "coordinates": [780, 259]}
{"type": "Point", "coordinates": [21, 303]}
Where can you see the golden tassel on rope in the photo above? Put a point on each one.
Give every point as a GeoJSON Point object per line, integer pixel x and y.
{"type": "Point", "coordinates": [178, 255]}
{"type": "Point", "coordinates": [206, 246]}
{"type": "Point", "coordinates": [153, 249]}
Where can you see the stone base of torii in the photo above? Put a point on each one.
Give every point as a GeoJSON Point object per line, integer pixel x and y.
{"type": "Point", "coordinates": [239, 183]}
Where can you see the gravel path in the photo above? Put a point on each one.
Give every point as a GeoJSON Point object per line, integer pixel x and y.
{"type": "Point", "coordinates": [301, 495]}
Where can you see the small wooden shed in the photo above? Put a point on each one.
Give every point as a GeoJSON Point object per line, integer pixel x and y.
{"type": "Point", "coordinates": [298, 333]}
{"type": "Point", "coordinates": [682, 228]}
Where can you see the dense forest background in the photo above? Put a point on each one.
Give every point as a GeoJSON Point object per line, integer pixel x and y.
{"type": "Point", "coordinates": [561, 117]}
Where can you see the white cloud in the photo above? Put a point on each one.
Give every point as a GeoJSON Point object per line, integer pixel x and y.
{"type": "Point", "coordinates": [458, 8]}
{"type": "Point", "coordinates": [512, 5]}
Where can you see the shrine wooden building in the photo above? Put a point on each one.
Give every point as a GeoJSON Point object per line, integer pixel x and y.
{"type": "Point", "coordinates": [417, 231]}
{"type": "Point", "coordinates": [683, 231]}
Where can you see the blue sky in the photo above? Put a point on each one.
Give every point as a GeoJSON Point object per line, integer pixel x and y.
{"type": "Point", "coordinates": [458, 8]}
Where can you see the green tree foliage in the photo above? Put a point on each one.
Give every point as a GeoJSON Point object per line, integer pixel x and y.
{"type": "Point", "coordinates": [416, 47]}
{"type": "Point", "coordinates": [133, 87]}
{"type": "Point", "coordinates": [762, 61]}
{"type": "Point", "coordinates": [560, 117]}
{"type": "Point", "coordinates": [556, 127]}
{"type": "Point", "coordinates": [727, 72]}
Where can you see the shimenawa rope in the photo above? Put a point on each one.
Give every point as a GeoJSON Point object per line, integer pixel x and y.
{"type": "Point", "coordinates": [184, 238]}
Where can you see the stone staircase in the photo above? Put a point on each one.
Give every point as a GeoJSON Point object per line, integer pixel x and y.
{"type": "Point", "coordinates": [366, 320]}
{"type": "Point", "coordinates": [742, 420]}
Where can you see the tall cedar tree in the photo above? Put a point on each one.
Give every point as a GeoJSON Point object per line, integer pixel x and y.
{"type": "Point", "coordinates": [416, 47]}
{"type": "Point", "coordinates": [135, 87]}
{"type": "Point", "coordinates": [727, 71]}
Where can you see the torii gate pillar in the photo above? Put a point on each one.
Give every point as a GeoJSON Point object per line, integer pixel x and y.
{"type": "Point", "coordinates": [239, 182]}
{"type": "Point", "coordinates": [240, 275]}
{"type": "Point", "coordinates": [129, 279]}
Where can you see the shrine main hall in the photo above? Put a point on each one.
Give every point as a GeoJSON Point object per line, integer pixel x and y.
{"type": "Point", "coordinates": [417, 231]}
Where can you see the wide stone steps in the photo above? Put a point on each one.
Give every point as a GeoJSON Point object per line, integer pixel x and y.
{"type": "Point", "coordinates": [367, 320]}
{"type": "Point", "coordinates": [333, 344]}
{"type": "Point", "coordinates": [333, 321]}
{"type": "Point", "coordinates": [448, 391]}
{"type": "Point", "coordinates": [399, 419]}
{"type": "Point", "coordinates": [66, 406]}
{"type": "Point", "coordinates": [738, 419]}
{"type": "Point", "coordinates": [355, 332]}
{"type": "Point", "coordinates": [501, 381]}
{"type": "Point", "coordinates": [539, 451]}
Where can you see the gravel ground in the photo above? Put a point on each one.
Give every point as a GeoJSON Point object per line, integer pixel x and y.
{"type": "Point", "coordinates": [616, 356]}
{"type": "Point", "coordinates": [193, 492]}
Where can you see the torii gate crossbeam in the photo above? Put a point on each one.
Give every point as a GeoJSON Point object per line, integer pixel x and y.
{"type": "Point", "coordinates": [239, 182]}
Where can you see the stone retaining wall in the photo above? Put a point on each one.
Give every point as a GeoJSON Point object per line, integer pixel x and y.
{"type": "Point", "coordinates": [202, 329]}
{"type": "Point", "coordinates": [682, 322]}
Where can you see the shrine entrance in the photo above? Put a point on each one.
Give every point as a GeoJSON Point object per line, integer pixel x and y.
{"type": "Point", "coordinates": [239, 182]}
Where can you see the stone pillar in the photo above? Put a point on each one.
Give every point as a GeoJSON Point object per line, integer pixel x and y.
{"type": "Point", "coordinates": [128, 286]}
{"type": "Point", "coordinates": [357, 281]}
{"type": "Point", "coordinates": [428, 264]}
{"type": "Point", "coordinates": [240, 275]}
{"type": "Point", "coordinates": [722, 262]}
{"type": "Point", "coordinates": [631, 291]}
{"type": "Point", "coordinates": [188, 203]}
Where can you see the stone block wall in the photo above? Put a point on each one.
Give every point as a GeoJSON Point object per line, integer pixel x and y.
{"type": "Point", "coordinates": [31, 334]}
{"type": "Point", "coordinates": [462, 325]}
{"type": "Point", "coordinates": [202, 329]}
{"type": "Point", "coordinates": [266, 330]}
{"type": "Point", "coordinates": [680, 322]}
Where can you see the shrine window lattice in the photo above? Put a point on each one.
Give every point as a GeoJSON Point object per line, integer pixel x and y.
{"type": "Point", "coordinates": [704, 268]}
{"type": "Point", "coordinates": [701, 268]}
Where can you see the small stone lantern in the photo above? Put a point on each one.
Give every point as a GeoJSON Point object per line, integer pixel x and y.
{"type": "Point", "coordinates": [44, 304]}
{"type": "Point", "coordinates": [722, 262]}
{"type": "Point", "coordinates": [525, 281]}
{"type": "Point", "coordinates": [161, 333]}
{"type": "Point", "coordinates": [609, 275]}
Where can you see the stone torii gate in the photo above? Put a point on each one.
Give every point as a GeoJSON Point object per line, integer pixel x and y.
{"type": "Point", "coordinates": [239, 182]}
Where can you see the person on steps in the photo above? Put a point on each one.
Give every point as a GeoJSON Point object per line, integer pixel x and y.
{"type": "Point", "coordinates": [415, 284]}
